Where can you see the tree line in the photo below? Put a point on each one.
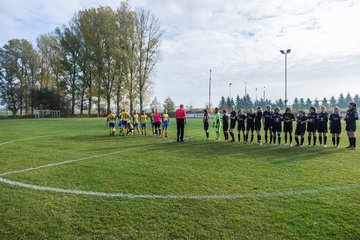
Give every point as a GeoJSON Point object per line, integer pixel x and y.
{"type": "Point", "coordinates": [246, 102]}
{"type": "Point", "coordinates": [102, 57]}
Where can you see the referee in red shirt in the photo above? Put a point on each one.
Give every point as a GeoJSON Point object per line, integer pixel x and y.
{"type": "Point", "coordinates": [180, 115]}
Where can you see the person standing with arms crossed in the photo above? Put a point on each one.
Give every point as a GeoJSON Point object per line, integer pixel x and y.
{"type": "Point", "coordinates": [180, 115]}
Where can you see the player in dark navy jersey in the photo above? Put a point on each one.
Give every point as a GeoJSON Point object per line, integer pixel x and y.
{"type": "Point", "coordinates": [276, 125]}
{"type": "Point", "coordinates": [351, 117]}
{"type": "Point", "coordinates": [335, 127]}
{"type": "Point", "coordinates": [312, 125]}
{"type": "Point", "coordinates": [267, 123]}
{"type": "Point", "coordinates": [258, 118]}
{"type": "Point", "coordinates": [233, 118]}
{"type": "Point", "coordinates": [322, 125]}
{"type": "Point", "coordinates": [225, 124]}
{"type": "Point", "coordinates": [241, 117]}
{"type": "Point", "coordinates": [288, 125]}
{"type": "Point", "coordinates": [206, 123]}
{"type": "Point", "coordinates": [250, 125]}
{"type": "Point", "coordinates": [300, 128]}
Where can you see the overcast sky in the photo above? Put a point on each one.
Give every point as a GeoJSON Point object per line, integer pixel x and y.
{"type": "Point", "coordinates": [239, 40]}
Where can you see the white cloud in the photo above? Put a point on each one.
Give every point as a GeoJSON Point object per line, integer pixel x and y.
{"type": "Point", "coordinates": [239, 40]}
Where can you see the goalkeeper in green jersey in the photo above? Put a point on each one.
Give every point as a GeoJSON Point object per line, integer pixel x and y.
{"type": "Point", "coordinates": [217, 124]}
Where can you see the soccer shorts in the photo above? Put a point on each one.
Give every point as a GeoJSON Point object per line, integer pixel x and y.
{"type": "Point", "coordinates": [300, 131]}
{"type": "Point", "coordinates": [241, 127]}
{"type": "Point", "coordinates": [225, 127]}
{"type": "Point", "coordinates": [166, 123]}
{"type": "Point", "coordinates": [322, 128]}
{"type": "Point", "coordinates": [276, 128]}
{"type": "Point", "coordinates": [143, 125]}
{"type": "Point", "coordinates": [288, 128]}
{"type": "Point", "coordinates": [124, 123]}
{"type": "Point", "coordinates": [250, 126]}
{"type": "Point", "coordinates": [136, 125]}
{"type": "Point", "coordinates": [350, 127]}
{"type": "Point", "coordinates": [111, 125]}
{"type": "Point", "coordinates": [311, 127]}
{"type": "Point", "coordinates": [232, 124]}
{"type": "Point", "coordinates": [206, 126]}
{"type": "Point", "coordinates": [335, 130]}
{"type": "Point", "coordinates": [267, 126]}
{"type": "Point", "coordinates": [257, 126]}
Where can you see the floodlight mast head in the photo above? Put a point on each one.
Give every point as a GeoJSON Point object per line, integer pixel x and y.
{"type": "Point", "coordinates": [288, 51]}
{"type": "Point", "coordinates": [282, 51]}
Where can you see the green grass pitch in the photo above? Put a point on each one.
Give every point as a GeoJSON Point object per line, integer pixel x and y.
{"type": "Point", "coordinates": [279, 192]}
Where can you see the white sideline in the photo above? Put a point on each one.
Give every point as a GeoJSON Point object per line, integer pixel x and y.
{"type": "Point", "coordinates": [25, 139]}
{"type": "Point", "coordinates": [151, 196]}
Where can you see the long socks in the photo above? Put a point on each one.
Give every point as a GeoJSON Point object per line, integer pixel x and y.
{"type": "Point", "coordinates": [232, 136]}
{"type": "Point", "coordinates": [320, 139]}
{"type": "Point", "coordinates": [309, 140]}
{"type": "Point", "coordinates": [226, 135]}
{"type": "Point", "coordinates": [252, 137]}
{"type": "Point", "coordinates": [325, 140]}
{"type": "Point", "coordinates": [279, 138]}
{"type": "Point", "coordinates": [314, 140]}
{"type": "Point", "coordinates": [302, 140]}
{"type": "Point", "coordinates": [266, 138]}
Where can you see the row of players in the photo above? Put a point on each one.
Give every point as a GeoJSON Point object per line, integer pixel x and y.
{"type": "Point", "coordinates": [272, 120]}
{"type": "Point", "coordinates": [159, 123]}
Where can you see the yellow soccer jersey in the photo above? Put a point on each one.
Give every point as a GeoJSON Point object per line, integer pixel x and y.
{"type": "Point", "coordinates": [152, 116]}
{"type": "Point", "coordinates": [165, 117]}
{"type": "Point", "coordinates": [136, 118]}
{"type": "Point", "coordinates": [125, 116]}
{"type": "Point", "coordinates": [143, 119]}
{"type": "Point", "coordinates": [111, 118]}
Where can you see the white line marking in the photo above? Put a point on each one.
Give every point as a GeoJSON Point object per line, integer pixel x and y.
{"type": "Point", "coordinates": [25, 139]}
{"type": "Point", "coordinates": [151, 196]}
{"type": "Point", "coordinates": [76, 160]}
{"type": "Point", "coordinates": [61, 163]}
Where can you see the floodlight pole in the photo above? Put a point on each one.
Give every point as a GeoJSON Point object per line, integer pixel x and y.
{"type": "Point", "coordinates": [210, 91]}
{"type": "Point", "coordinates": [230, 90]}
{"type": "Point", "coordinates": [245, 88]}
{"type": "Point", "coordinates": [264, 94]}
{"type": "Point", "coordinates": [285, 53]}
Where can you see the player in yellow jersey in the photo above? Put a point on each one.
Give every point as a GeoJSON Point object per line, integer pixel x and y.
{"type": "Point", "coordinates": [135, 118]}
{"type": "Point", "coordinates": [143, 121]}
{"type": "Point", "coordinates": [152, 120]}
{"type": "Point", "coordinates": [118, 119]}
{"type": "Point", "coordinates": [110, 121]}
{"type": "Point", "coordinates": [166, 123]}
{"type": "Point", "coordinates": [125, 118]}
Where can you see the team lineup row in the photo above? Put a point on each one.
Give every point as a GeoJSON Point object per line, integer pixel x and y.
{"type": "Point", "coordinates": [137, 123]}
{"type": "Point", "coordinates": [275, 123]}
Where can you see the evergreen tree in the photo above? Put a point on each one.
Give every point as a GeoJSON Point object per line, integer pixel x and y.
{"type": "Point", "coordinates": [348, 98]}
{"type": "Point", "coordinates": [332, 101]}
{"type": "Point", "coordinates": [357, 99]}
{"type": "Point", "coordinates": [296, 104]}
{"type": "Point", "coordinates": [238, 102]}
{"type": "Point", "coordinates": [169, 105]}
{"type": "Point", "coordinates": [316, 103]}
{"type": "Point", "coordinates": [222, 104]}
{"type": "Point", "coordinates": [325, 103]}
{"type": "Point", "coordinates": [302, 104]}
{"type": "Point", "coordinates": [341, 101]}
{"type": "Point", "coordinates": [308, 103]}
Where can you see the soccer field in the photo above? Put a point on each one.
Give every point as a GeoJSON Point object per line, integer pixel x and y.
{"type": "Point", "coordinates": [67, 179]}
